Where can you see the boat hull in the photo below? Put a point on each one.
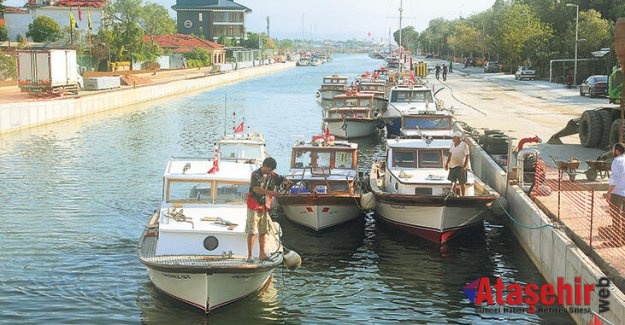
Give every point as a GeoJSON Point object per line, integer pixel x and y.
{"type": "Point", "coordinates": [209, 291]}
{"type": "Point", "coordinates": [436, 223]}
{"type": "Point", "coordinates": [205, 281]}
{"type": "Point", "coordinates": [320, 212]}
{"type": "Point", "coordinates": [352, 128]}
{"type": "Point", "coordinates": [436, 218]}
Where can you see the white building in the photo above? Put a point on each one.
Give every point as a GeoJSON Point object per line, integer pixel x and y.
{"type": "Point", "coordinates": [18, 19]}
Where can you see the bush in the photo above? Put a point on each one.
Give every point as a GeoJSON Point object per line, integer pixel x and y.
{"type": "Point", "coordinates": [151, 66]}
{"type": "Point", "coordinates": [8, 66]}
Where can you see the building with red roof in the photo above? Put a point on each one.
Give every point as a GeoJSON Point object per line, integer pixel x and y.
{"type": "Point", "coordinates": [181, 43]}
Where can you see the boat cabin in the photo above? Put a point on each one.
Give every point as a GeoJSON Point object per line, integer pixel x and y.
{"type": "Point", "coordinates": [425, 124]}
{"type": "Point", "coordinates": [191, 182]}
{"type": "Point", "coordinates": [353, 99]}
{"type": "Point", "coordinates": [249, 147]}
{"type": "Point", "coordinates": [334, 80]}
{"type": "Point", "coordinates": [411, 94]}
{"type": "Point", "coordinates": [324, 166]}
{"type": "Point", "coordinates": [416, 167]}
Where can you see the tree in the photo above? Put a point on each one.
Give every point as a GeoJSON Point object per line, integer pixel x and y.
{"type": "Point", "coordinates": [126, 37]}
{"type": "Point", "coordinates": [597, 32]}
{"type": "Point", "coordinates": [465, 39]}
{"type": "Point", "coordinates": [155, 20]}
{"type": "Point", "coordinates": [225, 41]}
{"type": "Point", "coordinates": [44, 29]}
{"type": "Point", "coordinates": [4, 33]}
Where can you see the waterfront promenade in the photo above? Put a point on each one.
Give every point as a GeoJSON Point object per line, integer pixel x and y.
{"type": "Point", "coordinates": [20, 110]}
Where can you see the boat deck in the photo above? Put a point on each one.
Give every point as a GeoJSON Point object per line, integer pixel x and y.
{"type": "Point", "coordinates": [199, 263]}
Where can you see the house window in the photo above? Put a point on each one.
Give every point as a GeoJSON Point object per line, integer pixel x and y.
{"type": "Point", "coordinates": [199, 16]}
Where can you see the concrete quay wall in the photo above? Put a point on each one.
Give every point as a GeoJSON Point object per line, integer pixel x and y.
{"type": "Point", "coordinates": [550, 249]}
{"type": "Point", "coordinates": [21, 115]}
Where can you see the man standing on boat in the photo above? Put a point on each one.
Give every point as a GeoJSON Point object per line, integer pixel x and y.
{"type": "Point", "coordinates": [263, 184]}
{"type": "Point", "coordinates": [458, 162]}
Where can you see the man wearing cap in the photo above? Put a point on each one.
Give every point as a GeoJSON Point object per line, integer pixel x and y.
{"type": "Point", "coordinates": [457, 162]}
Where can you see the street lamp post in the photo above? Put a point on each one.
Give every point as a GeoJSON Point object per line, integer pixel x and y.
{"type": "Point", "coordinates": [576, 39]}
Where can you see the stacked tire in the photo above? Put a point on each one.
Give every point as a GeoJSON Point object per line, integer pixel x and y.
{"type": "Point", "coordinates": [599, 128]}
{"type": "Point", "coordinates": [495, 142]}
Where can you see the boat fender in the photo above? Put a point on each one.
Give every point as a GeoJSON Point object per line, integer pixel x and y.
{"type": "Point", "coordinates": [367, 201]}
{"type": "Point", "coordinates": [292, 260]}
{"type": "Point", "coordinates": [499, 207]}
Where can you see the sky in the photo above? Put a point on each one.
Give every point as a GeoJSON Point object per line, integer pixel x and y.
{"type": "Point", "coordinates": [342, 19]}
{"type": "Point", "coordinates": [351, 19]}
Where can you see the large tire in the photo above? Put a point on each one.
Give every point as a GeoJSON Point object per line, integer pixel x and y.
{"type": "Point", "coordinates": [614, 136]}
{"type": "Point", "coordinates": [590, 126]}
{"type": "Point", "coordinates": [497, 148]}
{"type": "Point", "coordinates": [497, 139]}
{"type": "Point", "coordinates": [489, 131]}
{"type": "Point", "coordinates": [606, 122]}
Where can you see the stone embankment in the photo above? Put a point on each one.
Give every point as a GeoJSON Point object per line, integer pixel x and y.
{"type": "Point", "coordinates": [19, 110]}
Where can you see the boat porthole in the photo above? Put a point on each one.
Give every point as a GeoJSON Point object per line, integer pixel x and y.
{"type": "Point", "coordinates": [211, 242]}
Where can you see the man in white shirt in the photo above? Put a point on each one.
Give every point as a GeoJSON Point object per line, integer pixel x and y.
{"type": "Point", "coordinates": [458, 162]}
{"type": "Point", "coordinates": [616, 192]}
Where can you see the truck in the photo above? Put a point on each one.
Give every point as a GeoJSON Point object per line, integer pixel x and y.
{"type": "Point", "coordinates": [48, 72]}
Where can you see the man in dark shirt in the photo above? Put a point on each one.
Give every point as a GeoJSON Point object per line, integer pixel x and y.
{"type": "Point", "coordinates": [263, 184]}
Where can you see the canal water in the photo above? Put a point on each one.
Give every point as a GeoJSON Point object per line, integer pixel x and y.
{"type": "Point", "coordinates": [76, 195]}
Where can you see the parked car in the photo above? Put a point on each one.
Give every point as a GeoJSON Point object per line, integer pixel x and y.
{"type": "Point", "coordinates": [525, 72]}
{"type": "Point", "coordinates": [492, 67]}
{"type": "Point", "coordinates": [594, 86]}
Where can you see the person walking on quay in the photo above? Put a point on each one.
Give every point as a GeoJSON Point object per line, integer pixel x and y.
{"type": "Point", "coordinates": [437, 71]}
{"type": "Point", "coordinates": [451, 65]}
{"type": "Point", "coordinates": [444, 72]}
{"type": "Point", "coordinates": [457, 163]}
{"type": "Point", "coordinates": [616, 194]}
{"type": "Point", "coordinates": [263, 184]}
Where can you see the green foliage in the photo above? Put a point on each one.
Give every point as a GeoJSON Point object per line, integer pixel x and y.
{"type": "Point", "coordinates": [8, 66]}
{"type": "Point", "coordinates": [409, 38]}
{"type": "Point", "coordinates": [225, 41]}
{"type": "Point", "coordinates": [44, 29]}
{"type": "Point", "coordinates": [198, 58]}
{"type": "Point", "coordinates": [4, 33]}
{"type": "Point", "coordinates": [285, 44]}
{"type": "Point", "coordinates": [155, 20]}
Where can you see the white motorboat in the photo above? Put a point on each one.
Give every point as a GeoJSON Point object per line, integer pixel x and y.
{"type": "Point", "coordinates": [352, 115]}
{"type": "Point", "coordinates": [411, 191]}
{"type": "Point", "coordinates": [242, 146]}
{"type": "Point", "coordinates": [194, 246]}
{"type": "Point", "coordinates": [432, 124]}
{"type": "Point", "coordinates": [326, 191]}
{"type": "Point", "coordinates": [331, 86]}
{"type": "Point", "coordinates": [408, 100]}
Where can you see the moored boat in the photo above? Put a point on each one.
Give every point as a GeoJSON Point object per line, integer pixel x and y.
{"type": "Point", "coordinates": [242, 146]}
{"type": "Point", "coordinates": [331, 86]}
{"type": "Point", "coordinates": [412, 193]}
{"type": "Point", "coordinates": [326, 191]}
{"type": "Point", "coordinates": [408, 99]}
{"type": "Point", "coordinates": [352, 115]}
{"type": "Point", "coordinates": [194, 246]}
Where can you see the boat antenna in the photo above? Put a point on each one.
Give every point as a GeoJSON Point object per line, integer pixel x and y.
{"type": "Point", "coordinates": [225, 112]}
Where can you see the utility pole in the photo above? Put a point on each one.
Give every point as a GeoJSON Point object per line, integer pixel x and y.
{"type": "Point", "coordinates": [268, 35]}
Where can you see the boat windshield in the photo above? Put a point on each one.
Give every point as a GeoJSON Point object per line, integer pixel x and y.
{"type": "Point", "coordinates": [427, 123]}
{"type": "Point", "coordinates": [240, 151]}
{"type": "Point", "coordinates": [352, 102]}
{"type": "Point", "coordinates": [206, 192]}
{"type": "Point", "coordinates": [418, 159]}
{"type": "Point", "coordinates": [422, 96]}
{"type": "Point", "coordinates": [323, 159]}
